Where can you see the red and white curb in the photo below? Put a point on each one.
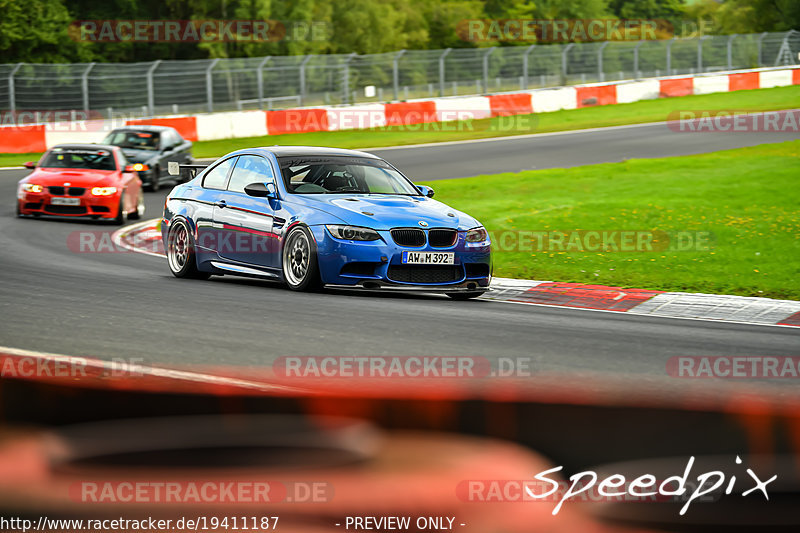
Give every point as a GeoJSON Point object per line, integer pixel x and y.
{"type": "Point", "coordinates": [740, 309]}
{"type": "Point", "coordinates": [145, 238]}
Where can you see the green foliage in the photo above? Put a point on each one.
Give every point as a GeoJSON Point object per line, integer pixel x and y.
{"type": "Point", "coordinates": [37, 30]}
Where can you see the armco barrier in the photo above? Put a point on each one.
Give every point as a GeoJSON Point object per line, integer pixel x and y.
{"type": "Point", "coordinates": [403, 113]}
{"type": "Point", "coordinates": [595, 95]}
{"type": "Point", "coordinates": [21, 140]}
{"type": "Point", "coordinates": [186, 126]}
{"type": "Point", "coordinates": [676, 87]}
{"type": "Point", "coordinates": [510, 104]}
{"type": "Point", "coordinates": [296, 121]}
{"type": "Point", "coordinates": [34, 138]}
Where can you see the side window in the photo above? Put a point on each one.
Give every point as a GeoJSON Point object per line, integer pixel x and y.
{"type": "Point", "coordinates": [249, 169]}
{"type": "Point", "coordinates": [168, 139]}
{"type": "Point", "coordinates": [215, 178]}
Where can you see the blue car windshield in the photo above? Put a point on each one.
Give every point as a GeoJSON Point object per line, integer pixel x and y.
{"type": "Point", "coordinates": [342, 175]}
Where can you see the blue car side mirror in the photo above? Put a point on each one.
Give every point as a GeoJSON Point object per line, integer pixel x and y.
{"type": "Point", "coordinates": [425, 190]}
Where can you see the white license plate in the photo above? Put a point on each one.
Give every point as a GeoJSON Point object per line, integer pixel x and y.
{"type": "Point", "coordinates": [65, 201]}
{"type": "Point", "coordinates": [429, 258]}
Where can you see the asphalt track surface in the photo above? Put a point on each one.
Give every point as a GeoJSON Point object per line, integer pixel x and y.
{"type": "Point", "coordinates": [565, 149]}
{"type": "Point", "coordinates": [128, 305]}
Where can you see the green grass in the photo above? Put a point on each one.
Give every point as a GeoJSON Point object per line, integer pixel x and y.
{"type": "Point", "coordinates": [592, 117]}
{"type": "Point", "coordinates": [746, 198]}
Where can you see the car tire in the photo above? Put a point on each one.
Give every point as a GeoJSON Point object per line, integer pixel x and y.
{"type": "Point", "coordinates": [19, 211]}
{"type": "Point", "coordinates": [464, 295]}
{"type": "Point", "coordinates": [139, 213]}
{"type": "Point", "coordinates": [299, 260]}
{"type": "Point", "coordinates": [122, 216]}
{"type": "Point", "coordinates": [181, 257]}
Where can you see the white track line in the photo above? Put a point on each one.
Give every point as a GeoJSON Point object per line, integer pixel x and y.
{"type": "Point", "coordinates": [144, 370]}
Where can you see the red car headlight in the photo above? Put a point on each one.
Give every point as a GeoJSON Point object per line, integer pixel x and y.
{"type": "Point", "coordinates": [103, 191]}
{"type": "Point", "coordinates": [32, 187]}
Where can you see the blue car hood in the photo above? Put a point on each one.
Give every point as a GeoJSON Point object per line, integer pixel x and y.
{"type": "Point", "coordinates": [390, 211]}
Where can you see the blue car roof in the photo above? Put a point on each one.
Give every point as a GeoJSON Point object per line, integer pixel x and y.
{"type": "Point", "coordinates": [281, 151]}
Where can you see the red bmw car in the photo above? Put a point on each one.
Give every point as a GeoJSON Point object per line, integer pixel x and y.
{"type": "Point", "coordinates": [82, 180]}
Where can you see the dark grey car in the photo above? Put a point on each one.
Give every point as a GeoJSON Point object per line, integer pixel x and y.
{"type": "Point", "coordinates": [153, 147]}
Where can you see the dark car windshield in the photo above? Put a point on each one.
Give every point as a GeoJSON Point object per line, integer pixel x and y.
{"type": "Point", "coordinates": [139, 140]}
{"type": "Point", "coordinates": [342, 175]}
{"type": "Point", "coordinates": [79, 158]}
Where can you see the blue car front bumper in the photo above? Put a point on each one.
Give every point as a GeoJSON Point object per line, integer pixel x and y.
{"type": "Point", "coordinates": [378, 264]}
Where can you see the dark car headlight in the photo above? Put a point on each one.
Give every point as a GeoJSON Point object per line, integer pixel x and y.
{"type": "Point", "coordinates": [478, 234]}
{"type": "Point", "coordinates": [353, 233]}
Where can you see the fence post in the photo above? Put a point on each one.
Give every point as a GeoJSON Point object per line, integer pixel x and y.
{"type": "Point", "coordinates": [700, 53]}
{"type": "Point", "coordinates": [486, 68]}
{"type": "Point", "coordinates": [346, 84]}
{"type": "Point", "coordinates": [564, 62]}
{"type": "Point", "coordinates": [730, 51]}
{"type": "Point", "coordinates": [761, 38]}
{"type": "Point", "coordinates": [396, 74]}
{"type": "Point", "coordinates": [260, 81]}
{"type": "Point", "coordinates": [601, 74]}
{"type": "Point", "coordinates": [85, 86]}
{"type": "Point", "coordinates": [12, 100]}
{"type": "Point", "coordinates": [784, 49]}
{"type": "Point", "coordinates": [441, 70]}
{"type": "Point", "coordinates": [669, 55]}
{"type": "Point", "coordinates": [305, 60]}
{"type": "Point", "coordinates": [151, 96]}
{"type": "Point", "coordinates": [636, 74]}
{"type": "Point", "coordinates": [210, 85]}
{"type": "Point", "coordinates": [525, 66]}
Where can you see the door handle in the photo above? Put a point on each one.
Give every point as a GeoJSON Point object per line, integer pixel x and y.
{"type": "Point", "coordinates": [222, 203]}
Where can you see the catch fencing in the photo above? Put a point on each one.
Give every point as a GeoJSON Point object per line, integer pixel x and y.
{"type": "Point", "coordinates": [197, 86]}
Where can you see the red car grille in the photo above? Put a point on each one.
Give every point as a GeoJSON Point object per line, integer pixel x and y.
{"type": "Point", "coordinates": [66, 209]}
{"type": "Point", "coordinates": [69, 191]}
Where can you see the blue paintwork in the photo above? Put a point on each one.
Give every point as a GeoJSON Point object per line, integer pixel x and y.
{"type": "Point", "coordinates": [262, 223]}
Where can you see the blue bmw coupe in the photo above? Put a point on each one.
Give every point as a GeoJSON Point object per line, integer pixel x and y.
{"type": "Point", "coordinates": [313, 217]}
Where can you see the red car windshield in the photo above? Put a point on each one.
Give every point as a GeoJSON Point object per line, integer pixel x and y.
{"type": "Point", "coordinates": [77, 158]}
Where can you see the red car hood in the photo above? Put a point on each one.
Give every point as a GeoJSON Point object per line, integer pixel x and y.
{"type": "Point", "coordinates": [76, 177]}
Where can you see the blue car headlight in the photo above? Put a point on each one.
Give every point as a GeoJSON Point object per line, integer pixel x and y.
{"type": "Point", "coordinates": [353, 233]}
{"type": "Point", "coordinates": [478, 234]}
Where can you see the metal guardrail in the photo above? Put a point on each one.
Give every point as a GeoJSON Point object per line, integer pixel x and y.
{"type": "Point", "coordinates": [192, 86]}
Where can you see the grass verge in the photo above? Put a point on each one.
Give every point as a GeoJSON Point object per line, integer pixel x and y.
{"type": "Point", "coordinates": [574, 119]}
{"type": "Point", "coordinates": [746, 199]}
